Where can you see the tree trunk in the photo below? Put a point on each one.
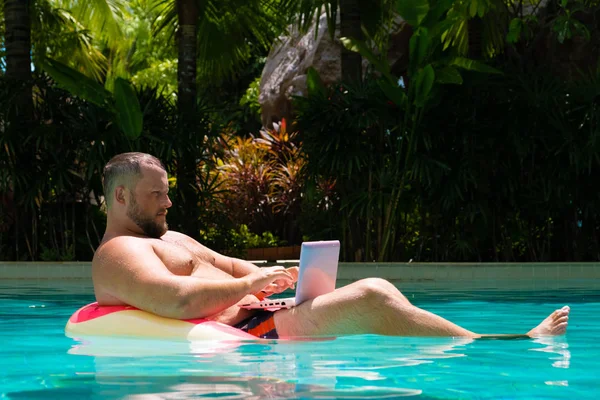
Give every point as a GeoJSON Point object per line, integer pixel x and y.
{"type": "Point", "coordinates": [22, 160]}
{"type": "Point", "coordinates": [18, 52]}
{"type": "Point", "coordinates": [186, 68]}
{"type": "Point", "coordinates": [350, 27]}
{"type": "Point", "coordinates": [187, 140]}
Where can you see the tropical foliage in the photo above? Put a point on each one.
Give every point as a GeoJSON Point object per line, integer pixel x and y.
{"type": "Point", "coordinates": [482, 147]}
{"type": "Point", "coordinates": [391, 154]}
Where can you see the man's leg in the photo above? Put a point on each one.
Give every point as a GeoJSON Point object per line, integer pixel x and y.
{"type": "Point", "coordinates": [376, 306]}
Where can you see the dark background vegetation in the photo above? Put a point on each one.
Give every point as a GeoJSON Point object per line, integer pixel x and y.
{"type": "Point", "coordinates": [501, 165]}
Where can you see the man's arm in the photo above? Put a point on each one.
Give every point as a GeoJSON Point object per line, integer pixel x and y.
{"type": "Point", "coordinates": [131, 272]}
{"type": "Point", "coordinates": [240, 268]}
{"type": "Point", "coordinates": [232, 266]}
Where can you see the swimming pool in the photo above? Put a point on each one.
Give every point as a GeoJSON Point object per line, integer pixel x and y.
{"type": "Point", "coordinates": [38, 362]}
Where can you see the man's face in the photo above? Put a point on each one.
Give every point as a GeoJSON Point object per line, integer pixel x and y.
{"type": "Point", "coordinates": [149, 201]}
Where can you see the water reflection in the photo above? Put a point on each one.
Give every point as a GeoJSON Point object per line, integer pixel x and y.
{"type": "Point", "coordinates": [557, 345]}
{"type": "Point", "coordinates": [185, 387]}
{"type": "Point", "coordinates": [366, 366]}
{"type": "Point", "coordinates": [349, 367]}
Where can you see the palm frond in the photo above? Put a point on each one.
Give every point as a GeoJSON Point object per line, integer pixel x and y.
{"type": "Point", "coordinates": [56, 30]}
{"type": "Point", "coordinates": [103, 17]}
{"type": "Point", "coordinates": [226, 39]}
{"type": "Point", "coordinates": [376, 16]}
{"type": "Point", "coordinates": [457, 36]}
{"type": "Point", "coordinates": [228, 31]}
{"type": "Point", "coordinates": [166, 16]}
{"type": "Point", "coordinates": [303, 12]}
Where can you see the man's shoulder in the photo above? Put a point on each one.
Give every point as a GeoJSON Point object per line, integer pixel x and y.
{"type": "Point", "coordinates": [125, 241]}
{"type": "Point", "coordinates": [176, 235]}
{"type": "Point", "coordinates": [181, 238]}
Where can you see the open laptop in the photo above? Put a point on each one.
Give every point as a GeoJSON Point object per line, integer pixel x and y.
{"type": "Point", "coordinates": [316, 276]}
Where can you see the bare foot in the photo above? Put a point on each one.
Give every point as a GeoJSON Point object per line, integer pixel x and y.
{"type": "Point", "coordinates": [555, 324]}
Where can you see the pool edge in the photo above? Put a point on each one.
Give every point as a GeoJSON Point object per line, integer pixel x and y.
{"type": "Point", "coordinates": [408, 272]}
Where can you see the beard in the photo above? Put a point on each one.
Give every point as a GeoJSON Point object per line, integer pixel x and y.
{"type": "Point", "coordinates": [146, 223]}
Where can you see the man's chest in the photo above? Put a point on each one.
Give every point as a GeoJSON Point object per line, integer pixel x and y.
{"type": "Point", "coordinates": [179, 259]}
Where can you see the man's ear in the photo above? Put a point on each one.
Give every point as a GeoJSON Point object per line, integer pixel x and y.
{"type": "Point", "coordinates": [120, 194]}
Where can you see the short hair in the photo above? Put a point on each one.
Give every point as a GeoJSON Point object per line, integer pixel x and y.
{"type": "Point", "coordinates": [125, 169]}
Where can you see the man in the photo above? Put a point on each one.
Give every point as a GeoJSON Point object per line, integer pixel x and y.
{"type": "Point", "coordinates": [143, 264]}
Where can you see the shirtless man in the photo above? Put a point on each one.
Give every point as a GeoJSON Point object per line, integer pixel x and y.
{"type": "Point", "coordinates": [143, 264]}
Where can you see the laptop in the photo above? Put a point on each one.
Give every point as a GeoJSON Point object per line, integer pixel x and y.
{"type": "Point", "coordinates": [316, 276]}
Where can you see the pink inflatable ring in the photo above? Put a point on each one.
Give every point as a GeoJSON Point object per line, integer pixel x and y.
{"type": "Point", "coordinates": [126, 321]}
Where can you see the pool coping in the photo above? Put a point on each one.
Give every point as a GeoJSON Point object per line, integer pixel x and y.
{"type": "Point", "coordinates": [354, 271]}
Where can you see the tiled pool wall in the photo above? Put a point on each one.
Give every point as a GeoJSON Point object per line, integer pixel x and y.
{"type": "Point", "coordinates": [397, 272]}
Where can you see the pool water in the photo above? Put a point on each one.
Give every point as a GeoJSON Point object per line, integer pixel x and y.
{"type": "Point", "coordinates": [37, 361]}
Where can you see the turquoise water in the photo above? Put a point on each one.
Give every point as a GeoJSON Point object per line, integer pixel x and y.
{"type": "Point", "coordinates": [38, 362]}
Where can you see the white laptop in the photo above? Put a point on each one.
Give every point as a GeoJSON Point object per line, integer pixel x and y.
{"type": "Point", "coordinates": [317, 275]}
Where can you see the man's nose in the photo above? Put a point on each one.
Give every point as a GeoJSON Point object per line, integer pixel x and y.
{"type": "Point", "coordinates": [168, 202]}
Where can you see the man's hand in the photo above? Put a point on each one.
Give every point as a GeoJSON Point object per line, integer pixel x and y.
{"type": "Point", "coordinates": [281, 285]}
{"type": "Point", "coordinates": [270, 279]}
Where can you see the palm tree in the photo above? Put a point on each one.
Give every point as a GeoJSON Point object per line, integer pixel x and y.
{"type": "Point", "coordinates": [18, 47]}
{"type": "Point", "coordinates": [62, 28]}
{"type": "Point", "coordinates": [215, 38]}
{"type": "Point", "coordinates": [33, 29]}
{"type": "Point", "coordinates": [17, 42]}
{"type": "Point", "coordinates": [187, 14]}
{"type": "Point", "coordinates": [18, 39]}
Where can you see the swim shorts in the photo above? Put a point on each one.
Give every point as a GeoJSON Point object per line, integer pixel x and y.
{"type": "Point", "coordinates": [261, 325]}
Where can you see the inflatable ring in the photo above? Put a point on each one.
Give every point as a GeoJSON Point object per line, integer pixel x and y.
{"type": "Point", "coordinates": [127, 321]}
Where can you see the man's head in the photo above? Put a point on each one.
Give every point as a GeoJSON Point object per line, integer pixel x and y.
{"type": "Point", "coordinates": [136, 187]}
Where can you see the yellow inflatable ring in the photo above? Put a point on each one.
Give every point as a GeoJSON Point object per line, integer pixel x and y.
{"type": "Point", "coordinates": [126, 321]}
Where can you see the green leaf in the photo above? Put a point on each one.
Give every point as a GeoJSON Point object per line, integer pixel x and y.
{"type": "Point", "coordinates": [102, 16]}
{"type": "Point", "coordinates": [473, 8]}
{"type": "Point", "coordinates": [419, 45]}
{"type": "Point", "coordinates": [581, 29]}
{"type": "Point", "coordinates": [393, 92]}
{"type": "Point", "coordinates": [413, 11]}
{"type": "Point", "coordinates": [440, 9]}
{"type": "Point", "coordinates": [472, 65]}
{"type": "Point", "coordinates": [314, 83]}
{"type": "Point", "coordinates": [75, 82]}
{"type": "Point", "coordinates": [564, 33]}
{"type": "Point", "coordinates": [441, 29]}
{"type": "Point", "coordinates": [360, 47]}
{"type": "Point", "coordinates": [128, 110]}
{"type": "Point", "coordinates": [514, 30]}
{"type": "Point", "coordinates": [562, 27]}
{"type": "Point", "coordinates": [448, 75]}
{"type": "Point", "coordinates": [423, 84]}
{"type": "Point", "coordinates": [481, 10]}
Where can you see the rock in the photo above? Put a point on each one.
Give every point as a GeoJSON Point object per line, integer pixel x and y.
{"type": "Point", "coordinates": [284, 74]}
